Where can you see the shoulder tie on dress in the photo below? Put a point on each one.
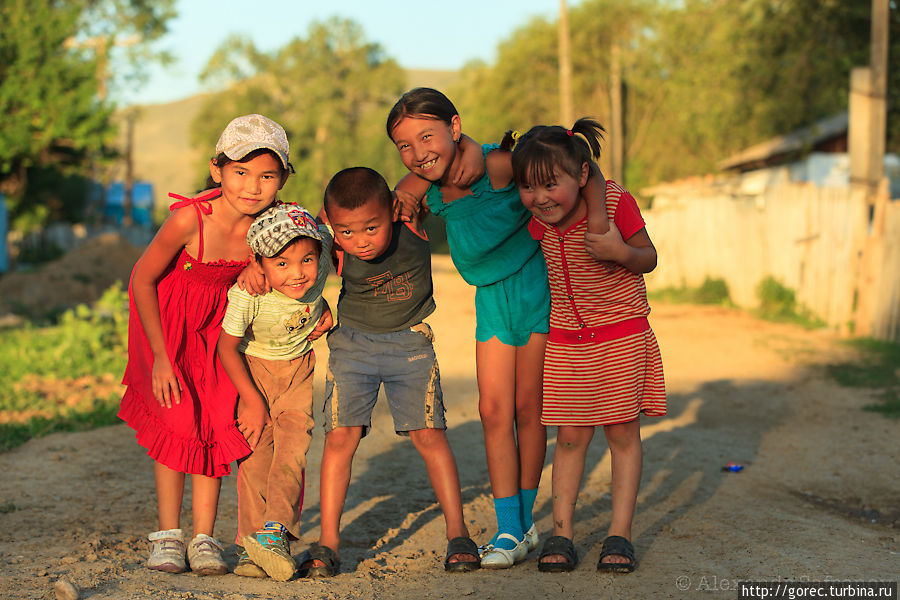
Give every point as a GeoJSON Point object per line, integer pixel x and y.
{"type": "Point", "coordinates": [201, 204]}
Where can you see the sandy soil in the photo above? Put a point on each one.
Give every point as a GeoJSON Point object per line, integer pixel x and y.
{"type": "Point", "coordinates": [817, 500]}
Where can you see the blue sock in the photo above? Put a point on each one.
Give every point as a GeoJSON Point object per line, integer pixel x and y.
{"type": "Point", "coordinates": [526, 499]}
{"type": "Point", "coordinates": [508, 521]}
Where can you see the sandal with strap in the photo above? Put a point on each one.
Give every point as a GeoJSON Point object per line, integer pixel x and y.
{"type": "Point", "coordinates": [462, 545]}
{"type": "Point", "coordinates": [331, 567]}
{"type": "Point", "coordinates": [616, 544]}
{"type": "Point", "coordinates": [562, 546]}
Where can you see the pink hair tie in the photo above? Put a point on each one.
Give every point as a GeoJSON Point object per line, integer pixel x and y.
{"type": "Point", "coordinates": [569, 132]}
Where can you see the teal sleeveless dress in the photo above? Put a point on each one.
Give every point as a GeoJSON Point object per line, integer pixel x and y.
{"type": "Point", "coordinates": [492, 250]}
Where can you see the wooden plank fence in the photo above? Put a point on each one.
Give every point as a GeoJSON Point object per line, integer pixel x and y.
{"type": "Point", "coordinates": [839, 253]}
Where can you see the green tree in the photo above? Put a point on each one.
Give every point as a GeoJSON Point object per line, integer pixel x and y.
{"type": "Point", "coordinates": [330, 91]}
{"type": "Point", "coordinates": [703, 78]}
{"type": "Point", "coordinates": [52, 72]}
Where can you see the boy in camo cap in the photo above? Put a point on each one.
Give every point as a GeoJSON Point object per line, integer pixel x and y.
{"type": "Point", "coordinates": [266, 348]}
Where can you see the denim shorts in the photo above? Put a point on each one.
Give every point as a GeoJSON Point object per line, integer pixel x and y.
{"type": "Point", "coordinates": [403, 361]}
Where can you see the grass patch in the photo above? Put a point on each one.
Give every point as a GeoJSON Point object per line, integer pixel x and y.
{"type": "Point", "coordinates": [101, 414]}
{"type": "Point", "coordinates": [58, 377]}
{"type": "Point", "coordinates": [878, 367]}
{"type": "Point", "coordinates": [712, 291]}
{"type": "Point", "coordinates": [779, 303]}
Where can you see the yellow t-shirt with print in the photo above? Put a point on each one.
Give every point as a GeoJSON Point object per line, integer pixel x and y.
{"type": "Point", "coordinates": [272, 326]}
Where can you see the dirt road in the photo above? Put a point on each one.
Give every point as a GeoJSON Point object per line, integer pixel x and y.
{"type": "Point", "coordinates": [817, 499]}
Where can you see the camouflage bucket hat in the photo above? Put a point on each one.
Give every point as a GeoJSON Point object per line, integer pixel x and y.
{"type": "Point", "coordinates": [278, 225]}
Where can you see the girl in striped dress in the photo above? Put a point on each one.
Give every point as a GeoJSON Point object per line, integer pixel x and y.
{"type": "Point", "coordinates": [602, 365]}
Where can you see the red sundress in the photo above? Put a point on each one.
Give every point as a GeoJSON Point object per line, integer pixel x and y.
{"type": "Point", "coordinates": [199, 435]}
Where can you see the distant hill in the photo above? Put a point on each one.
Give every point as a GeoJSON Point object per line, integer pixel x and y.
{"type": "Point", "coordinates": [163, 154]}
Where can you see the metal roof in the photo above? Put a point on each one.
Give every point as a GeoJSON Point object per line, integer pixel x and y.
{"type": "Point", "coordinates": [797, 140]}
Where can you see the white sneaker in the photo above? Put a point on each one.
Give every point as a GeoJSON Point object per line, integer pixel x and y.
{"type": "Point", "coordinates": [531, 538]}
{"type": "Point", "coordinates": [167, 551]}
{"type": "Point", "coordinates": [493, 557]}
{"type": "Point", "coordinates": [205, 556]}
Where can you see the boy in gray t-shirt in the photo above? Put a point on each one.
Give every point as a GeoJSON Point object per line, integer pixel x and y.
{"type": "Point", "coordinates": [266, 348]}
{"type": "Point", "coordinates": [386, 291]}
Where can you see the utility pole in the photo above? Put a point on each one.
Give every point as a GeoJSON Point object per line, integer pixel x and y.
{"type": "Point", "coordinates": [566, 112]}
{"type": "Point", "coordinates": [878, 65]}
{"type": "Point", "coordinates": [617, 133]}
{"type": "Point", "coordinates": [868, 106]}
{"type": "Point", "coordinates": [131, 116]}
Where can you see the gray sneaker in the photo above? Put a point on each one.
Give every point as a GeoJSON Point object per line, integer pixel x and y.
{"type": "Point", "coordinates": [247, 568]}
{"type": "Point", "coordinates": [271, 551]}
{"type": "Point", "coordinates": [205, 556]}
{"type": "Point", "coordinates": [167, 551]}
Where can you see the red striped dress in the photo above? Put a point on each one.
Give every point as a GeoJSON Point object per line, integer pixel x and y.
{"type": "Point", "coordinates": [602, 364]}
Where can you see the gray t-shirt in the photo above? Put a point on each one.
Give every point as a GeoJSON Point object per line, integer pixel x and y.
{"type": "Point", "coordinates": [391, 292]}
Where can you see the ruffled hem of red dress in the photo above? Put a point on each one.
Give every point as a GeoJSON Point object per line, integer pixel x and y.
{"type": "Point", "coordinates": [179, 453]}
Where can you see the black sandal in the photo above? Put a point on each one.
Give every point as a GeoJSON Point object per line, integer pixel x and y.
{"type": "Point", "coordinates": [562, 546]}
{"type": "Point", "coordinates": [325, 554]}
{"type": "Point", "coordinates": [462, 545]}
{"type": "Point", "coordinates": [616, 544]}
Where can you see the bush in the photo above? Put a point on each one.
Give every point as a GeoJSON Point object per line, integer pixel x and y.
{"type": "Point", "coordinates": [711, 291]}
{"type": "Point", "coordinates": [39, 366]}
{"type": "Point", "coordinates": [779, 303]}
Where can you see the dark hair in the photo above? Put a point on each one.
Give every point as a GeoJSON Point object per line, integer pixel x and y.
{"type": "Point", "coordinates": [318, 244]}
{"type": "Point", "coordinates": [355, 186]}
{"type": "Point", "coordinates": [544, 148]}
{"type": "Point", "coordinates": [220, 160]}
{"type": "Point", "coordinates": [421, 102]}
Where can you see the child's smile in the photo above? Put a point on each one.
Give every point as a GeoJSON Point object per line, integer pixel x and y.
{"type": "Point", "coordinates": [295, 269]}
{"type": "Point", "coordinates": [556, 202]}
{"type": "Point", "coordinates": [427, 146]}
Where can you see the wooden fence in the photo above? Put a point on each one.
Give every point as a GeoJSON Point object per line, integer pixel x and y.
{"type": "Point", "coordinates": [832, 246]}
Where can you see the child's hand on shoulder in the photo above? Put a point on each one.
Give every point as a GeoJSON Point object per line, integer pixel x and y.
{"type": "Point", "coordinates": [326, 322]}
{"type": "Point", "coordinates": [605, 248]}
{"type": "Point", "coordinates": [406, 207]}
{"type": "Point", "coordinates": [253, 281]}
{"type": "Point", "coordinates": [252, 419]}
{"type": "Point", "coordinates": [471, 167]}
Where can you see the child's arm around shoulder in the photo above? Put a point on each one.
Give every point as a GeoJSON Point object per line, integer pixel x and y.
{"type": "Point", "coordinates": [637, 253]}
{"type": "Point", "coordinates": [594, 194]}
{"type": "Point", "coordinates": [326, 322]}
{"type": "Point", "coordinates": [410, 191]}
{"type": "Point", "coordinates": [409, 198]}
{"type": "Point", "coordinates": [176, 232]}
{"type": "Point", "coordinates": [498, 164]}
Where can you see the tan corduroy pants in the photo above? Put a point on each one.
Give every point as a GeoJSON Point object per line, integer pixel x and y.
{"type": "Point", "coordinates": [270, 481]}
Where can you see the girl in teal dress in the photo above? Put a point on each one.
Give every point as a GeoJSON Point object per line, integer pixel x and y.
{"type": "Point", "coordinates": [492, 250]}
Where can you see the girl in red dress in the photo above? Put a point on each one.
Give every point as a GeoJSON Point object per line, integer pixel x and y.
{"type": "Point", "coordinates": [602, 365]}
{"type": "Point", "coordinates": [178, 398]}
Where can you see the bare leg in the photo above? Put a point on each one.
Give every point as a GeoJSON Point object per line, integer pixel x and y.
{"type": "Point", "coordinates": [337, 460]}
{"type": "Point", "coordinates": [531, 435]}
{"type": "Point", "coordinates": [439, 462]}
{"type": "Point", "coordinates": [496, 365]}
{"type": "Point", "coordinates": [169, 494]}
{"type": "Point", "coordinates": [568, 470]}
{"type": "Point", "coordinates": [625, 450]}
{"type": "Point", "coordinates": [205, 502]}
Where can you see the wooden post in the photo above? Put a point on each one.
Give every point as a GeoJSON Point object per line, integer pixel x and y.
{"type": "Point", "coordinates": [128, 184]}
{"type": "Point", "coordinates": [617, 133]}
{"type": "Point", "coordinates": [566, 111]}
{"type": "Point", "coordinates": [878, 65]}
